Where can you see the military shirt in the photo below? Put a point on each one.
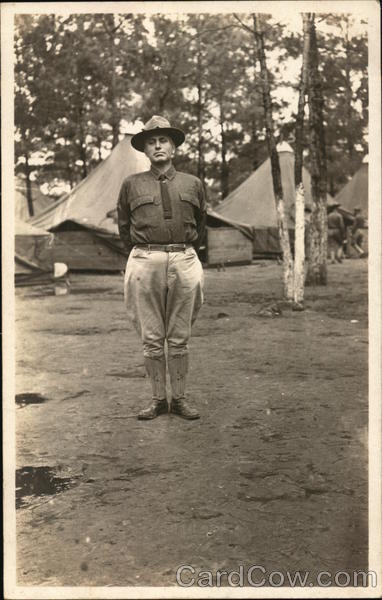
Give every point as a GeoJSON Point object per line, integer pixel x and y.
{"type": "Point", "coordinates": [335, 221]}
{"type": "Point", "coordinates": [358, 223]}
{"type": "Point", "coordinates": [141, 217]}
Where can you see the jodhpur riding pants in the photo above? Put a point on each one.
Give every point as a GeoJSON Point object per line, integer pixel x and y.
{"type": "Point", "coordinates": [163, 294]}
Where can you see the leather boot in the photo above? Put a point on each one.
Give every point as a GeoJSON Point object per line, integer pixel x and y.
{"type": "Point", "coordinates": [156, 370]}
{"type": "Point", "coordinates": [178, 368]}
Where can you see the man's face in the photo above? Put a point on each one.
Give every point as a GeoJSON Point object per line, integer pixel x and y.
{"type": "Point", "coordinates": [159, 149]}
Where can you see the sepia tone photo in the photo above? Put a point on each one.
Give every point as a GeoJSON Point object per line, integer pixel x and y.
{"type": "Point", "coordinates": [191, 291]}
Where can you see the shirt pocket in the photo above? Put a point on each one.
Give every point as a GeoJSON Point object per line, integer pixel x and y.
{"type": "Point", "coordinates": [144, 210]}
{"type": "Point", "coordinates": [189, 204]}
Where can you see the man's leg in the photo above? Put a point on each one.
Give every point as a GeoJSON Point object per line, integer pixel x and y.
{"type": "Point", "coordinates": [156, 370]}
{"type": "Point", "coordinates": [145, 298]}
{"type": "Point", "coordinates": [331, 247]}
{"type": "Point", "coordinates": [184, 299]}
{"type": "Point", "coordinates": [357, 242]}
{"type": "Point", "coordinates": [339, 253]}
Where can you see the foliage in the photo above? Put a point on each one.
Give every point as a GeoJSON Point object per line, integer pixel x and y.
{"type": "Point", "coordinates": [79, 77]}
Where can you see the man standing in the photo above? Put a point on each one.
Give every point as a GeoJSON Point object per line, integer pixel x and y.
{"type": "Point", "coordinates": [357, 233]}
{"type": "Point", "coordinates": [161, 218]}
{"type": "Point", "coordinates": [336, 233]}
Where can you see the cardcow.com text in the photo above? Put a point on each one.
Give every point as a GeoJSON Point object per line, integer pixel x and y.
{"type": "Point", "coordinates": [258, 576]}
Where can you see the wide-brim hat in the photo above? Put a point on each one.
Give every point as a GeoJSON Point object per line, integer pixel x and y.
{"type": "Point", "coordinates": [154, 126]}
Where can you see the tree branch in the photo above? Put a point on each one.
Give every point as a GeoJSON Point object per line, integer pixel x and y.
{"type": "Point", "coordinates": [243, 25]}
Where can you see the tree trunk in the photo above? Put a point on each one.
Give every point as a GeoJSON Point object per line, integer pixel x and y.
{"type": "Point", "coordinates": [299, 242]}
{"type": "Point", "coordinates": [254, 126]}
{"type": "Point", "coordinates": [199, 108]}
{"type": "Point", "coordinates": [111, 28]}
{"type": "Point", "coordinates": [332, 190]}
{"type": "Point", "coordinates": [28, 186]}
{"type": "Point", "coordinates": [113, 97]}
{"type": "Point", "coordinates": [348, 92]}
{"type": "Point", "coordinates": [299, 246]}
{"type": "Point", "coordinates": [82, 152]}
{"type": "Point", "coordinates": [163, 97]}
{"type": "Point", "coordinates": [82, 145]}
{"type": "Point", "coordinates": [275, 165]}
{"type": "Point", "coordinates": [254, 135]}
{"type": "Point", "coordinates": [317, 267]}
{"type": "Point", "coordinates": [79, 140]}
{"type": "Point", "coordinates": [70, 173]}
{"type": "Point", "coordinates": [299, 130]}
{"type": "Point", "coordinates": [224, 173]}
{"type": "Point", "coordinates": [201, 165]}
{"type": "Point", "coordinates": [99, 149]}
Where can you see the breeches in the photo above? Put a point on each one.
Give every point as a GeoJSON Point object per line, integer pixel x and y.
{"type": "Point", "coordinates": [357, 237]}
{"type": "Point", "coordinates": [334, 239]}
{"type": "Point", "coordinates": [163, 294]}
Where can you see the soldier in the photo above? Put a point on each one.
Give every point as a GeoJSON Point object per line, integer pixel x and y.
{"type": "Point", "coordinates": [356, 232]}
{"type": "Point", "coordinates": [161, 218]}
{"type": "Point", "coordinates": [336, 233]}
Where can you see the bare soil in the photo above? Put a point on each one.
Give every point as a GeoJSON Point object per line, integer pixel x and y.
{"type": "Point", "coordinates": [273, 474]}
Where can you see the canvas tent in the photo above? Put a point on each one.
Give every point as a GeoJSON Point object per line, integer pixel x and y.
{"type": "Point", "coordinates": [40, 201]}
{"type": "Point", "coordinates": [355, 192]}
{"type": "Point", "coordinates": [34, 262]}
{"type": "Point", "coordinates": [253, 203]}
{"type": "Point", "coordinates": [85, 221]}
{"type": "Point", "coordinates": [86, 236]}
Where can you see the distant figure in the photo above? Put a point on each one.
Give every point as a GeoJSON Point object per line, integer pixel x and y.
{"type": "Point", "coordinates": [356, 232]}
{"type": "Point", "coordinates": [336, 233]}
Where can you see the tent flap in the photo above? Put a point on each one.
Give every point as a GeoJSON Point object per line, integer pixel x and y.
{"type": "Point", "coordinates": [39, 200]}
{"type": "Point", "coordinates": [266, 241]}
{"type": "Point", "coordinates": [34, 260]}
{"type": "Point", "coordinates": [253, 203]}
{"type": "Point", "coordinates": [89, 203]}
{"type": "Point", "coordinates": [356, 192]}
{"type": "Point", "coordinates": [86, 233]}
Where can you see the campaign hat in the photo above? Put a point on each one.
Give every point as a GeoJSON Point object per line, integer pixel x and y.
{"type": "Point", "coordinates": [155, 126]}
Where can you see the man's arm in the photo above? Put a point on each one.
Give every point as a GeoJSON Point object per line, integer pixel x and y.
{"type": "Point", "coordinates": [123, 210]}
{"type": "Point", "coordinates": [201, 217]}
{"type": "Point", "coordinates": [341, 224]}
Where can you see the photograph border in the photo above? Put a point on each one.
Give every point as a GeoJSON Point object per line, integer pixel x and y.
{"type": "Point", "coordinates": [369, 9]}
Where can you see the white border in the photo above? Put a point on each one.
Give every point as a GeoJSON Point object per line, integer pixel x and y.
{"type": "Point", "coordinates": [375, 471]}
{"type": "Point", "coordinates": [8, 294]}
{"type": "Point", "coordinates": [367, 8]}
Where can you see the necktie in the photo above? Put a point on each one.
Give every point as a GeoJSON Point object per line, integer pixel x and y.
{"type": "Point", "coordinates": [166, 200]}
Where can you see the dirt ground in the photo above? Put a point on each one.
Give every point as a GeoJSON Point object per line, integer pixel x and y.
{"type": "Point", "coordinates": [273, 474]}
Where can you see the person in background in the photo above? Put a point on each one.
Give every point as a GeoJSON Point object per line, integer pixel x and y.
{"type": "Point", "coordinates": [161, 219]}
{"type": "Point", "coordinates": [336, 233]}
{"type": "Point", "coordinates": [356, 232]}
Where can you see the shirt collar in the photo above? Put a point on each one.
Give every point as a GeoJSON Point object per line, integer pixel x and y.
{"type": "Point", "coordinates": [170, 173]}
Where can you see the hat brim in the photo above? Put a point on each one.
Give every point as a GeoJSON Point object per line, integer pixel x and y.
{"type": "Point", "coordinates": [138, 140]}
